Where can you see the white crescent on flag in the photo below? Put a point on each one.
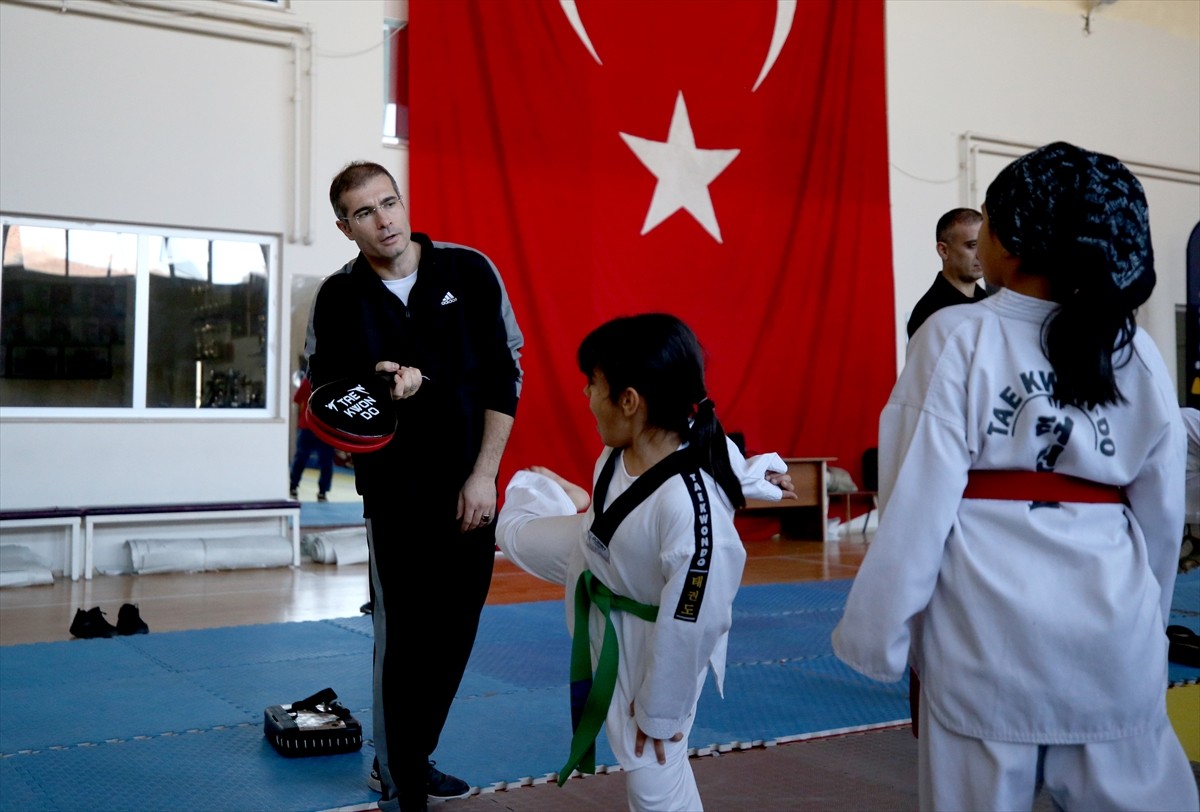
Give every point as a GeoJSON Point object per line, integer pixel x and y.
{"type": "Point", "coordinates": [683, 170]}
{"type": "Point", "coordinates": [785, 15]}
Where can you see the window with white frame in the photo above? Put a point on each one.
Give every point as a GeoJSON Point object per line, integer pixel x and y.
{"type": "Point", "coordinates": [395, 86]}
{"type": "Point", "coordinates": [98, 316]}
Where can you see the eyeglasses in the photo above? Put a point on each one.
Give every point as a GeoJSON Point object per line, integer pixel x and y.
{"type": "Point", "coordinates": [362, 215]}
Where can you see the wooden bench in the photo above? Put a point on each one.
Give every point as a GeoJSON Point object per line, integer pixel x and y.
{"type": "Point", "coordinates": [805, 517]}
{"type": "Point", "coordinates": [287, 512]}
{"type": "Point", "coordinates": [66, 518]}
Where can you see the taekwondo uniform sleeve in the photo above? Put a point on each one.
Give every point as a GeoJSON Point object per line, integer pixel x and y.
{"type": "Point", "coordinates": [1153, 494]}
{"type": "Point", "coordinates": [897, 577]}
{"type": "Point", "coordinates": [752, 473]}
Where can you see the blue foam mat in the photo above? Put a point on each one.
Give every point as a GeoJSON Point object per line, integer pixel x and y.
{"type": "Point", "coordinates": [174, 720]}
{"type": "Point", "coordinates": [315, 515]}
{"type": "Point", "coordinates": [231, 769]}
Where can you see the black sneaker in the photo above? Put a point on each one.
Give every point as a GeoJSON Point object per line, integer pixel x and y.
{"type": "Point", "coordinates": [129, 621]}
{"type": "Point", "coordinates": [293, 493]}
{"type": "Point", "coordinates": [442, 787]}
{"type": "Point", "coordinates": [322, 497]}
{"type": "Point", "coordinates": [1184, 647]}
{"type": "Point", "coordinates": [91, 624]}
{"type": "Point", "coordinates": [367, 608]}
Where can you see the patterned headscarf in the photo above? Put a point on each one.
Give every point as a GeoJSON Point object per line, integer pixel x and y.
{"type": "Point", "coordinates": [1078, 217]}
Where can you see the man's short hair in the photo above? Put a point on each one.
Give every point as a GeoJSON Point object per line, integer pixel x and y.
{"type": "Point", "coordinates": [353, 175]}
{"type": "Point", "coordinates": [952, 218]}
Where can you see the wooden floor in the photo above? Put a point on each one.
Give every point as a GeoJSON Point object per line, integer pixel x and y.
{"type": "Point", "coordinates": [178, 601]}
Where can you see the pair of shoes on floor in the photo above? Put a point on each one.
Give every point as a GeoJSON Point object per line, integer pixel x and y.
{"type": "Point", "coordinates": [322, 497]}
{"type": "Point", "coordinates": [440, 786]}
{"type": "Point", "coordinates": [92, 624]}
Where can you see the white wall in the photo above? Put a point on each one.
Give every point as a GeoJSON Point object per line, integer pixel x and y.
{"type": "Point", "coordinates": [1027, 72]}
{"type": "Point", "coordinates": [128, 120]}
{"type": "Point", "coordinates": [117, 120]}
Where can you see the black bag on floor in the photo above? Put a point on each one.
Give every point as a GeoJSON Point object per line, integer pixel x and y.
{"type": "Point", "coordinates": [316, 726]}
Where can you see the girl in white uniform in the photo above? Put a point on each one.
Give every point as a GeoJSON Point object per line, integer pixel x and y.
{"type": "Point", "coordinates": [1031, 466]}
{"type": "Point", "coordinates": [659, 536]}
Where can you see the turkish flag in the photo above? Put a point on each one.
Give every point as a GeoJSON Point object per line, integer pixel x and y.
{"type": "Point", "coordinates": [721, 160]}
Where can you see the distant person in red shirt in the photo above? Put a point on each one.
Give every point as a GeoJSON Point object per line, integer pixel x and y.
{"type": "Point", "coordinates": [306, 444]}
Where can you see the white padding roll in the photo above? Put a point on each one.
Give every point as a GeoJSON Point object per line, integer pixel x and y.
{"type": "Point", "coordinates": [20, 566]}
{"type": "Point", "coordinates": [166, 555]}
{"type": "Point", "coordinates": [245, 552]}
{"type": "Point", "coordinates": [200, 554]}
{"type": "Point", "coordinates": [344, 546]}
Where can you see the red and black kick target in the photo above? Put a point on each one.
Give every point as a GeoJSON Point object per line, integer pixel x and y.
{"type": "Point", "coordinates": [353, 414]}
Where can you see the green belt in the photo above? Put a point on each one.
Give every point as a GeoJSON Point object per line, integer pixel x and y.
{"type": "Point", "coordinates": [591, 695]}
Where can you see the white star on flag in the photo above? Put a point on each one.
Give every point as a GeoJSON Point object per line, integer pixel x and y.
{"type": "Point", "coordinates": [683, 171]}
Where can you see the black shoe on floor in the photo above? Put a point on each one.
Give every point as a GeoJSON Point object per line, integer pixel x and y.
{"type": "Point", "coordinates": [129, 621]}
{"type": "Point", "coordinates": [322, 497]}
{"type": "Point", "coordinates": [91, 624]}
{"type": "Point", "coordinates": [442, 787]}
{"type": "Point", "coordinates": [367, 608]}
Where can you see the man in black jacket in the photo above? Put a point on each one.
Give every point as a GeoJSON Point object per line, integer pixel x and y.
{"type": "Point", "coordinates": [957, 282]}
{"type": "Point", "coordinates": [434, 319]}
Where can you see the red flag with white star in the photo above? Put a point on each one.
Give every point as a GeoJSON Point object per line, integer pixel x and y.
{"type": "Point", "coordinates": [722, 160]}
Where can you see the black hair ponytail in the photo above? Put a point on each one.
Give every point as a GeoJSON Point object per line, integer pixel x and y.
{"type": "Point", "coordinates": [707, 437]}
{"type": "Point", "coordinates": [1084, 340]}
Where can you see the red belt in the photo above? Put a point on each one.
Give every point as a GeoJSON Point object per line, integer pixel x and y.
{"type": "Point", "coordinates": [1039, 486]}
